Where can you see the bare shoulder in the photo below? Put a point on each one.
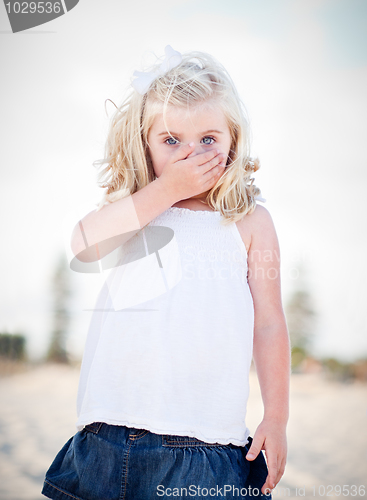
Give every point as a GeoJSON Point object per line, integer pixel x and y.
{"type": "Point", "coordinates": [256, 226]}
{"type": "Point", "coordinates": [260, 215]}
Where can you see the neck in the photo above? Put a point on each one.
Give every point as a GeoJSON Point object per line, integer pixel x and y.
{"type": "Point", "coordinates": [200, 197]}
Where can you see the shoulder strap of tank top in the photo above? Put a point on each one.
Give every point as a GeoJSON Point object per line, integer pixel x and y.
{"type": "Point", "coordinates": [260, 198]}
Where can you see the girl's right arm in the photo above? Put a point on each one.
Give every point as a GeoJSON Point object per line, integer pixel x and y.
{"type": "Point", "coordinates": [99, 233]}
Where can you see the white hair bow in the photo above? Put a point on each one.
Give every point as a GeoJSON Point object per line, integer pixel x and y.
{"type": "Point", "coordinates": [143, 79]}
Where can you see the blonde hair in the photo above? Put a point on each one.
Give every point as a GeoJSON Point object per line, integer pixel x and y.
{"type": "Point", "coordinates": [199, 78]}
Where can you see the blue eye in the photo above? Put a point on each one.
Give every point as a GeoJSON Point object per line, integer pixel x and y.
{"type": "Point", "coordinates": [210, 139]}
{"type": "Point", "coordinates": [167, 141]}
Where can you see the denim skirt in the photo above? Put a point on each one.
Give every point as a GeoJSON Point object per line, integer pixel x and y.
{"type": "Point", "coordinates": [114, 462]}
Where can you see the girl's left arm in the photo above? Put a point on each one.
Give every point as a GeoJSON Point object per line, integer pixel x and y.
{"type": "Point", "coordinates": [271, 349]}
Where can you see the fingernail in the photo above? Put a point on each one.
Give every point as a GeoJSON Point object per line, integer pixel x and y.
{"type": "Point", "coordinates": [250, 455]}
{"type": "Point", "coordinates": [191, 144]}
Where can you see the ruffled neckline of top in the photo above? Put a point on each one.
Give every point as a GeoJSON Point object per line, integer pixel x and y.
{"type": "Point", "coordinates": [188, 210]}
{"type": "Point", "coordinates": [205, 213]}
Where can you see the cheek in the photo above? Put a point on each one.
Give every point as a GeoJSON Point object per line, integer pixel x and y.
{"type": "Point", "coordinates": [161, 156]}
{"type": "Point", "coordinates": [158, 161]}
{"type": "Point", "coordinates": [226, 144]}
{"type": "Point", "coordinates": [225, 147]}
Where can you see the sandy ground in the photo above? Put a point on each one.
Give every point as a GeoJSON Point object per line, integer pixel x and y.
{"type": "Point", "coordinates": [327, 433]}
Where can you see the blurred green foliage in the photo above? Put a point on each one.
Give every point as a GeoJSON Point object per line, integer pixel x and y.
{"type": "Point", "coordinates": [301, 322]}
{"type": "Point", "coordinates": [61, 293]}
{"type": "Point", "coordinates": [345, 371]}
{"type": "Point", "coordinates": [13, 346]}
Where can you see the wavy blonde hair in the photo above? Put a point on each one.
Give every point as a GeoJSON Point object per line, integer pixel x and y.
{"type": "Point", "coordinates": [198, 79]}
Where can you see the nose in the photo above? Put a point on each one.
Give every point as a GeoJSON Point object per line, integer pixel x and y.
{"type": "Point", "coordinates": [198, 149]}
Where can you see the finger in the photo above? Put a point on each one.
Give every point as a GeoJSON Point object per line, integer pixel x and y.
{"type": "Point", "coordinates": [256, 446]}
{"type": "Point", "coordinates": [217, 161]}
{"type": "Point", "coordinates": [183, 151]}
{"type": "Point", "coordinates": [276, 465]}
{"type": "Point", "coordinates": [208, 156]}
{"type": "Point", "coordinates": [266, 488]}
{"type": "Point", "coordinates": [219, 169]}
{"type": "Point", "coordinates": [270, 481]}
{"type": "Point", "coordinates": [272, 477]}
{"type": "Point", "coordinates": [280, 471]}
{"type": "Point", "coordinates": [266, 491]}
{"type": "Point", "coordinates": [214, 175]}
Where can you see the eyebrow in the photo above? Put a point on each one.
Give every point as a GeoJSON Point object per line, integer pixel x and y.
{"type": "Point", "coordinates": [202, 133]}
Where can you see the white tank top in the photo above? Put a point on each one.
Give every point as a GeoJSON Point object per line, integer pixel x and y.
{"type": "Point", "coordinates": [177, 361]}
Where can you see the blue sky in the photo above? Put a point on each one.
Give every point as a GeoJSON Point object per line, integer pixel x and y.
{"type": "Point", "coordinates": [300, 67]}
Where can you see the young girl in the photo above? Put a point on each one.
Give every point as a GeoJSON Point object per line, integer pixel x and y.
{"type": "Point", "coordinates": [193, 293]}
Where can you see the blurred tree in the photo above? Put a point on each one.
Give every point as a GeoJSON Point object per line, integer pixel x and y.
{"type": "Point", "coordinates": [301, 321]}
{"type": "Point", "coordinates": [336, 369]}
{"type": "Point", "coordinates": [61, 292]}
{"type": "Point", "coordinates": [13, 346]}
